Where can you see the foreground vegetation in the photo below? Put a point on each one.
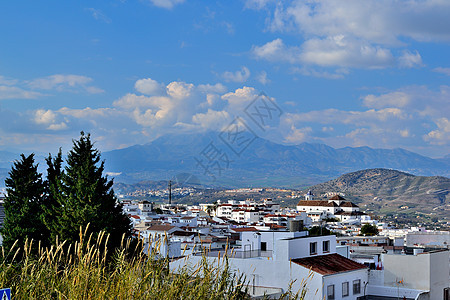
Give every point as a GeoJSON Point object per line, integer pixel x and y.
{"type": "Point", "coordinates": [86, 270]}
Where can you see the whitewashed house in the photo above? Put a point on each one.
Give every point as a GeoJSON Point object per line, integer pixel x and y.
{"type": "Point", "coordinates": [327, 274]}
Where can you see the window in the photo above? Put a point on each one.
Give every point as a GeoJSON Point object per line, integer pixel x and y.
{"type": "Point", "coordinates": [356, 286]}
{"type": "Point", "coordinates": [326, 246]}
{"type": "Point", "coordinates": [447, 294]}
{"type": "Point", "coordinates": [312, 248]}
{"type": "Point", "coordinates": [344, 289]}
{"type": "Point", "coordinates": [330, 292]}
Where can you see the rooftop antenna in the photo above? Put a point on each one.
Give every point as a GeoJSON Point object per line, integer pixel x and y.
{"type": "Point", "coordinates": [170, 192]}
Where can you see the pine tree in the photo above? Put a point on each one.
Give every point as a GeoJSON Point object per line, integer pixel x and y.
{"type": "Point", "coordinates": [51, 206]}
{"type": "Point", "coordinates": [23, 204]}
{"type": "Point", "coordinates": [85, 196]}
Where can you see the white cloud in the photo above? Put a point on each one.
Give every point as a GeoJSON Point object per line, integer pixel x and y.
{"type": "Point", "coordinates": [445, 71]}
{"type": "Point", "coordinates": [212, 120]}
{"type": "Point", "coordinates": [48, 118]}
{"type": "Point", "coordinates": [240, 98]}
{"type": "Point", "coordinates": [341, 51]}
{"type": "Point", "coordinates": [148, 86]}
{"type": "Point", "coordinates": [410, 60]}
{"type": "Point", "coordinates": [179, 90]}
{"type": "Point", "coordinates": [12, 92]}
{"type": "Point", "coordinates": [335, 51]}
{"type": "Point", "coordinates": [376, 21]}
{"type": "Point", "coordinates": [298, 135]}
{"type": "Point", "coordinates": [99, 15]}
{"type": "Point", "coordinates": [168, 4]}
{"type": "Point", "coordinates": [353, 33]}
{"type": "Point", "coordinates": [276, 50]}
{"type": "Point", "coordinates": [238, 76]}
{"type": "Point", "coordinates": [337, 74]}
{"type": "Point", "coordinates": [393, 99]}
{"type": "Point", "coordinates": [61, 82]}
{"type": "Point", "coordinates": [440, 136]}
{"type": "Point", "coordinates": [257, 4]}
{"type": "Point", "coordinates": [7, 81]}
{"type": "Point", "coordinates": [209, 88]}
{"type": "Point", "coordinates": [44, 116]}
{"type": "Point", "coordinates": [262, 78]}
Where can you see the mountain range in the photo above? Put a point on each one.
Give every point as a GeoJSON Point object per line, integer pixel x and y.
{"type": "Point", "coordinates": [261, 163]}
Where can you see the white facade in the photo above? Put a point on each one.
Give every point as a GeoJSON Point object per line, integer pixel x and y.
{"type": "Point", "coordinates": [426, 271]}
{"type": "Point", "coordinates": [282, 269]}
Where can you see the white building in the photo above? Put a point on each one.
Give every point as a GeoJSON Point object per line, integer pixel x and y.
{"type": "Point", "coordinates": [327, 275]}
{"type": "Point", "coordinates": [420, 276]}
{"type": "Point", "coordinates": [334, 207]}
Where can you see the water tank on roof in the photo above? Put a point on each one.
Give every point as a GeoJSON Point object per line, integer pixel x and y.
{"type": "Point", "coordinates": [295, 225]}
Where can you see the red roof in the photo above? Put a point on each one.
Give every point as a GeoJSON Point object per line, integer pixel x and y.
{"type": "Point", "coordinates": [317, 203]}
{"type": "Point", "coordinates": [336, 197]}
{"type": "Point", "coordinates": [161, 227]}
{"type": "Point", "coordinates": [242, 229]}
{"type": "Point", "coordinates": [329, 264]}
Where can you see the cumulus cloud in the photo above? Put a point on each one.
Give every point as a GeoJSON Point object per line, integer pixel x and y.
{"type": "Point", "coordinates": [148, 86]}
{"type": "Point", "coordinates": [410, 60]}
{"type": "Point", "coordinates": [440, 136]}
{"type": "Point", "coordinates": [378, 22]}
{"type": "Point", "coordinates": [412, 117]}
{"type": "Point", "coordinates": [239, 76]}
{"type": "Point", "coordinates": [179, 90]}
{"type": "Point", "coordinates": [48, 118]}
{"type": "Point", "coordinates": [298, 135]}
{"type": "Point", "coordinates": [393, 99]}
{"type": "Point", "coordinates": [352, 34]}
{"type": "Point", "coordinates": [212, 120]}
{"type": "Point", "coordinates": [276, 50]}
{"type": "Point", "coordinates": [335, 51]}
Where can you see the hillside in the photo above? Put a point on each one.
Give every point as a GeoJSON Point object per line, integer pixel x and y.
{"type": "Point", "coordinates": [390, 190]}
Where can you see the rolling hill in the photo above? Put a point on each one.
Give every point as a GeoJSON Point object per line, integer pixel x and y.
{"type": "Point", "coordinates": [391, 190]}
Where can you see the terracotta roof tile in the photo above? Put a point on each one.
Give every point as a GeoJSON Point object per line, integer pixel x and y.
{"type": "Point", "coordinates": [329, 264]}
{"type": "Point", "coordinates": [336, 197]}
{"type": "Point", "coordinates": [242, 229]}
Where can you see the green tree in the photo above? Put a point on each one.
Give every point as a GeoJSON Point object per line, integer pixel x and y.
{"type": "Point", "coordinates": [51, 206]}
{"type": "Point", "coordinates": [23, 204]}
{"type": "Point", "coordinates": [84, 196]}
{"type": "Point", "coordinates": [319, 230]}
{"type": "Point", "coordinates": [369, 229]}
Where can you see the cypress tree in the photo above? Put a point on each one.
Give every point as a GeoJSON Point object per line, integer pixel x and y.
{"type": "Point", "coordinates": [23, 204]}
{"type": "Point", "coordinates": [85, 196]}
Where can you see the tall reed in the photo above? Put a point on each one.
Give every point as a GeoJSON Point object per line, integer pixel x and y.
{"type": "Point", "coordinates": [86, 270]}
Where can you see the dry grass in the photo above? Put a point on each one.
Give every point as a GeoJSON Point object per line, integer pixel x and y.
{"type": "Point", "coordinates": [87, 271]}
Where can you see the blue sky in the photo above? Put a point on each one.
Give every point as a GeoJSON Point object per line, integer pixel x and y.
{"type": "Point", "coordinates": [345, 73]}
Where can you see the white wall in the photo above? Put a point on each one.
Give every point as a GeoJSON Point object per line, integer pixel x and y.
{"type": "Point", "coordinates": [270, 237]}
{"type": "Point", "coordinates": [299, 247]}
{"type": "Point", "coordinates": [425, 271]}
{"type": "Point", "coordinates": [338, 279]}
{"type": "Point", "coordinates": [268, 273]}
